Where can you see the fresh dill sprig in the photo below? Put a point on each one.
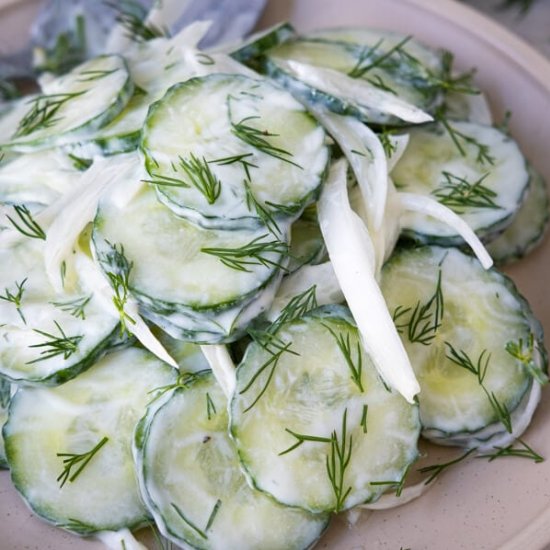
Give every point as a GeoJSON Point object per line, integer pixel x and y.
{"type": "Point", "coordinates": [460, 139]}
{"type": "Point", "coordinates": [132, 16]}
{"type": "Point", "coordinates": [261, 211]}
{"type": "Point", "coordinates": [201, 177]}
{"type": "Point", "coordinates": [237, 159]}
{"type": "Point", "coordinates": [364, 418]}
{"type": "Point", "coordinates": [167, 181]}
{"type": "Point", "coordinates": [398, 485]}
{"type": "Point", "coordinates": [525, 451]}
{"type": "Point", "coordinates": [213, 515]}
{"type": "Point", "coordinates": [75, 307]}
{"type": "Point", "coordinates": [458, 193]}
{"type": "Point", "coordinates": [26, 225]}
{"type": "Point", "coordinates": [80, 163]}
{"type": "Point", "coordinates": [388, 145]}
{"type": "Point", "coordinates": [256, 252]}
{"type": "Point", "coordinates": [97, 74]}
{"type": "Point", "coordinates": [435, 469]}
{"type": "Point", "coordinates": [184, 380]}
{"type": "Point", "coordinates": [187, 521]}
{"type": "Point", "coordinates": [271, 364]}
{"type": "Point", "coordinates": [479, 369]}
{"type": "Point", "coordinates": [210, 407]}
{"type": "Point", "coordinates": [378, 82]}
{"type": "Point", "coordinates": [258, 139]}
{"type": "Point", "coordinates": [355, 364]}
{"type": "Point", "coordinates": [368, 58]}
{"type": "Point", "coordinates": [68, 50]}
{"type": "Point", "coordinates": [78, 461]}
{"type": "Point", "coordinates": [296, 308]}
{"type": "Point", "coordinates": [423, 321]}
{"type": "Point", "coordinates": [74, 524]}
{"type": "Point", "coordinates": [303, 438]}
{"type": "Point", "coordinates": [524, 352]}
{"type": "Point", "coordinates": [119, 276]}
{"type": "Point", "coordinates": [16, 298]}
{"type": "Point", "coordinates": [56, 345]}
{"type": "Point", "coordinates": [448, 81]}
{"type": "Point", "coordinates": [43, 112]}
{"type": "Point", "coordinates": [337, 463]}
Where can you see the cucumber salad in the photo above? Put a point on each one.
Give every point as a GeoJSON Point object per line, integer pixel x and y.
{"type": "Point", "coordinates": [232, 284]}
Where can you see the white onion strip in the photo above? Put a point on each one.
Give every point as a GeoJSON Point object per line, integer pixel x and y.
{"type": "Point", "coordinates": [350, 252]}
{"type": "Point", "coordinates": [222, 367]}
{"type": "Point", "coordinates": [370, 166]}
{"type": "Point", "coordinates": [355, 91]}
{"type": "Point", "coordinates": [78, 208]}
{"type": "Point", "coordinates": [430, 207]}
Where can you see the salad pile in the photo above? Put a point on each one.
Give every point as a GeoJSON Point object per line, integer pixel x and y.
{"type": "Point", "coordinates": [233, 283]}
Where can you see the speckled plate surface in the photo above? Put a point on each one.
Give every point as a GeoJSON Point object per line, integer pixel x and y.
{"type": "Point", "coordinates": [478, 505]}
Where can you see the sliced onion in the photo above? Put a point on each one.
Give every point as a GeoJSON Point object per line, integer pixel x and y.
{"type": "Point", "coordinates": [350, 251]}
{"type": "Point", "coordinates": [222, 367]}
{"type": "Point", "coordinates": [430, 207]}
{"type": "Point", "coordinates": [357, 92]}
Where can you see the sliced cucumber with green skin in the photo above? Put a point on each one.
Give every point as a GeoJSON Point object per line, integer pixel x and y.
{"type": "Point", "coordinates": [458, 323]}
{"type": "Point", "coordinates": [192, 484]}
{"type": "Point", "coordinates": [306, 243]}
{"type": "Point", "coordinates": [72, 105]}
{"type": "Point", "coordinates": [372, 61]}
{"type": "Point", "coordinates": [210, 327]}
{"type": "Point", "coordinates": [382, 40]}
{"type": "Point", "coordinates": [5, 398]}
{"type": "Point", "coordinates": [528, 225]}
{"type": "Point", "coordinates": [477, 171]}
{"type": "Point", "coordinates": [257, 44]}
{"type": "Point", "coordinates": [36, 178]}
{"type": "Point", "coordinates": [48, 337]}
{"type": "Point", "coordinates": [122, 135]}
{"type": "Point", "coordinates": [228, 151]}
{"type": "Point", "coordinates": [306, 412]}
{"type": "Point", "coordinates": [177, 268]}
{"type": "Point", "coordinates": [92, 416]}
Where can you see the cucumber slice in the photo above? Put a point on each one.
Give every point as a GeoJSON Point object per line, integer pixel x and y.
{"type": "Point", "coordinates": [36, 178]}
{"type": "Point", "coordinates": [177, 272]}
{"type": "Point", "coordinates": [48, 337]}
{"type": "Point", "coordinates": [382, 41]}
{"type": "Point", "coordinates": [5, 398]}
{"type": "Point", "coordinates": [87, 98]}
{"type": "Point", "coordinates": [227, 151]}
{"type": "Point", "coordinates": [122, 135]}
{"type": "Point", "coordinates": [306, 242]}
{"type": "Point", "coordinates": [191, 482]}
{"type": "Point", "coordinates": [313, 381]}
{"type": "Point", "coordinates": [458, 323]}
{"type": "Point", "coordinates": [384, 61]}
{"type": "Point", "coordinates": [94, 414]}
{"type": "Point", "coordinates": [475, 170]}
{"type": "Point", "coordinates": [528, 225]}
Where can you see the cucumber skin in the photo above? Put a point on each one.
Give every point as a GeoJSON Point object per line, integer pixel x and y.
{"type": "Point", "coordinates": [76, 134]}
{"type": "Point", "coordinates": [536, 327]}
{"type": "Point", "coordinates": [68, 373]}
{"type": "Point", "coordinates": [276, 35]}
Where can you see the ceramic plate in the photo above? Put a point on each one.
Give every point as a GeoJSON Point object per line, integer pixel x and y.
{"type": "Point", "coordinates": [478, 505]}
